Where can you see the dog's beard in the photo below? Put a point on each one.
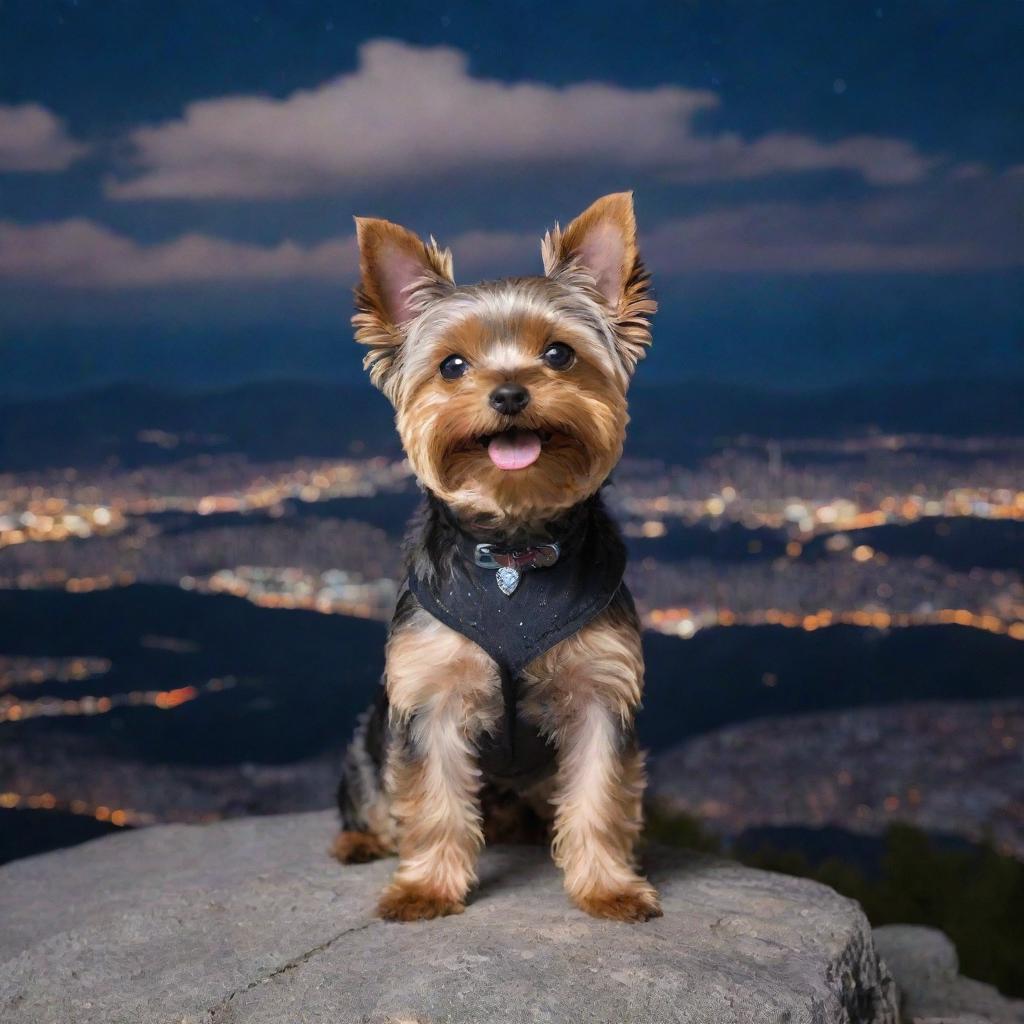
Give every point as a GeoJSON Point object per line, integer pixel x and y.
{"type": "Point", "coordinates": [517, 457]}
{"type": "Point", "coordinates": [555, 469]}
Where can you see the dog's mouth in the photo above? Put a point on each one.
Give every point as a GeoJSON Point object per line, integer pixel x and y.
{"type": "Point", "coordinates": [516, 448]}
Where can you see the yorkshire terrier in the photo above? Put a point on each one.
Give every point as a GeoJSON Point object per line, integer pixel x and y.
{"type": "Point", "coordinates": [514, 667]}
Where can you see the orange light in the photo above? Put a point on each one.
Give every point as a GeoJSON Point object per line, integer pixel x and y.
{"type": "Point", "coordinates": [173, 698]}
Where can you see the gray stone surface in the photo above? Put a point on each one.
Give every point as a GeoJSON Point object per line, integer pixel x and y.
{"type": "Point", "coordinates": [932, 990]}
{"type": "Point", "coordinates": [249, 922]}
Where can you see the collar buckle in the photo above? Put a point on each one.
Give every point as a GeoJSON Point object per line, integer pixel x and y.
{"type": "Point", "coordinates": [538, 556]}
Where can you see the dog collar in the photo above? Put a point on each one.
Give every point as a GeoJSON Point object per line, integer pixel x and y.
{"type": "Point", "coordinates": [510, 563]}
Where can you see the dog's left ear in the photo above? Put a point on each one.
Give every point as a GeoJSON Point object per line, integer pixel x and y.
{"type": "Point", "coordinates": [601, 243]}
{"type": "Point", "coordinates": [400, 276]}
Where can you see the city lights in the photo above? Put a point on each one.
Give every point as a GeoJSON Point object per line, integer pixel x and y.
{"type": "Point", "coordinates": [13, 709]}
{"type": "Point", "coordinates": [935, 765]}
{"type": "Point", "coordinates": [63, 506]}
{"type": "Point", "coordinates": [807, 568]}
{"type": "Point", "coordinates": [683, 622]}
{"type": "Point", "coordinates": [120, 816]}
{"type": "Point", "coordinates": [18, 671]}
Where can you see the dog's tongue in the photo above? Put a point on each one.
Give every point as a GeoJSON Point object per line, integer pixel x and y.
{"type": "Point", "coordinates": [515, 449]}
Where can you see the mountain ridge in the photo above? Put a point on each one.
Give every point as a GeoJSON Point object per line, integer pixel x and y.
{"type": "Point", "coordinates": [282, 419]}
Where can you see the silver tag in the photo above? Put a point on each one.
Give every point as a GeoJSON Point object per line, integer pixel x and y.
{"type": "Point", "coordinates": [508, 579]}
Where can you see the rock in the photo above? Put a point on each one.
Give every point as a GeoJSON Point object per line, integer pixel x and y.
{"type": "Point", "coordinates": [932, 990]}
{"type": "Point", "coordinates": [250, 922]}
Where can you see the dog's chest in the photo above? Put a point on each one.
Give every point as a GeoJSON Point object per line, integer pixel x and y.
{"type": "Point", "coordinates": [516, 625]}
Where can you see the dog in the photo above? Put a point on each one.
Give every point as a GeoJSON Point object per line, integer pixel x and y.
{"type": "Point", "coordinates": [514, 667]}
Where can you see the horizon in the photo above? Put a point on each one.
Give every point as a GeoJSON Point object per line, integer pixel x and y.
{"type": "Point", "coordinates": [639, 387]}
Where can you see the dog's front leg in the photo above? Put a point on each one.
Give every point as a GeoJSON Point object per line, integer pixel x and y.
{"type": "Point", "coordinates": [600, 780]}
{"type": "Point", "coordinates": [438, 685]}
{"type": "Point", "coordinates": [597, 819]}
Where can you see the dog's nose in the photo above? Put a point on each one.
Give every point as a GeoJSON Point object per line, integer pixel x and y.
{"type": "Point", "coordinates": [509, 398]}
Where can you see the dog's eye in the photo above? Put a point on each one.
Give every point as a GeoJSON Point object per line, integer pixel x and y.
{"type": "Point", "coordinates": [453, 367]}
{"type": "Point", "coordinates": [559, 356]}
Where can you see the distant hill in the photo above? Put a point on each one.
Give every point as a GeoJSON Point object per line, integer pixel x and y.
{"type": "Point", "coordinates": [282, 419]}
{"type": "Point", "coordinates": [264, 420]}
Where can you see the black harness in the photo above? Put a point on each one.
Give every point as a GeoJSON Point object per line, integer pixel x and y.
{"type": "Point", "coordinates": [517, 601]}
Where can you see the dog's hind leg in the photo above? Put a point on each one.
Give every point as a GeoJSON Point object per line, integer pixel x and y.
{"type": "Point", "coordinates": [367, 826]}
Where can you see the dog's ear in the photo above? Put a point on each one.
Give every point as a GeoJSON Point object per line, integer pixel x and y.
{"type": "Point", "coordinates": [400, 275]}
{"type": "Point", "coordinates": [598, 250]}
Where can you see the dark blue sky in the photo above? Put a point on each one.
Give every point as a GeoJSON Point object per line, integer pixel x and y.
{"type": "Point", "coordinates": [827, 192]}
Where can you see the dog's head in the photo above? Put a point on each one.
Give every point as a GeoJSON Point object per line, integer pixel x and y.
{"type": "Point", "coordinates": [510, 396]}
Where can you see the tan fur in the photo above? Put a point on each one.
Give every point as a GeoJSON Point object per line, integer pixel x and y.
{"type": "Point", "coordinates": [502, 328]}
{"type": "Point", "coordinates": [358, 847]}
{"type": "Point", "coordinates": [583, 409]}
{"type": "Point", "coordinates": [628, 294]}
{"type": "Point", "coordinates": [449, 690]}
{"type": "Point", "coordinates": [380, 839]}
{"type": "Point", "coordinates": [583, 693]}
{"type": "Point", "coordinates": [377, 324]}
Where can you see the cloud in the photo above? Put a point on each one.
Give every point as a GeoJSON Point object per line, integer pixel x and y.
{"type": "Point", "coordinates": [80, 253]}
{"type": "Point", "coordinates": [965, 225]}
{"type": "Point", "coordinates": [961, 225]}
{"type": "Point", "coordinates": [408, 112]}
{"type": "Point", "coordinates": [33, 139]}
{"type": "Point", "coordinates": [776, 238]}
{"type": "Point", "coordinates": [879, 161]}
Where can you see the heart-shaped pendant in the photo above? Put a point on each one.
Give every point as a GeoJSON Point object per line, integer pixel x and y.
{"type": "Point", "coordinates": [508, 579]}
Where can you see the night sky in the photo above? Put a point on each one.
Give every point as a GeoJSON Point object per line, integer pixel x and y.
{"type": "Point", "coordinates": [827, 192]}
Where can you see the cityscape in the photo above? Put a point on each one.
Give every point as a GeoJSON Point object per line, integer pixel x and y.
{"type": "Point", "coordinates": [877, 534]}
{"type": "Point", "coordinates": [952, 769]}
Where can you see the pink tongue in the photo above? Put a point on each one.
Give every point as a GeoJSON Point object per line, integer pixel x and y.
{"type": "Point", "coordinates": [515, 449]}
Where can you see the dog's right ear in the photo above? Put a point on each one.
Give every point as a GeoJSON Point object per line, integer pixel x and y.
{"type": "Point", "coordinates": [601, 242]}
{"type": "Point", "coordinates": [400, 276]}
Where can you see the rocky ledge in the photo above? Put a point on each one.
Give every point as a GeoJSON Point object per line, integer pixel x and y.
{"type": "Point", "coordinates": [250, 922]}
{"type": "Point", "coordinates": [932, 990]}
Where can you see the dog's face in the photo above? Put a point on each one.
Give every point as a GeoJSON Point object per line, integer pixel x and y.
{"type": "Point", "coordinates": [510, 396]}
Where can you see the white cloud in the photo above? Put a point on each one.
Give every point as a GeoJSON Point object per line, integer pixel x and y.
{"type": "Point", "coordinates": [80, 253]}
{"type": "Point", "coordinates": [880, 161]}
{"type": "Point", "coordinates": [775, 239]}
{"type": "Point", "coordinates": [407, 112]}
{"type": "Point", "coordinates": [962, 225]}
{"type": "Point", "coordinates": [33, 139]}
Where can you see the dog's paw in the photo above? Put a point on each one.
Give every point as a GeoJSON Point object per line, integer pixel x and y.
{"type": "Point", "coordinates": [633, 905]}
{"type": "Point", "coordinates": [408, 903]}
{"type": "Point", "coordinates": [357, 847]}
